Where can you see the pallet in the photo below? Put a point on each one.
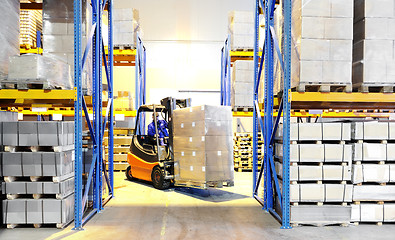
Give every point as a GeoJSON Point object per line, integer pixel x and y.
{"type": "Point", "coordinates": [40, 85]}
{"type": "Point", "coordinates": [323, 224]}
{"type": "Point", "coordinates": [320, 203]}
{"type": "Point", "coordinates": [238, 49]}
{"type": "Point", "coordinates": [324, 87]}
{"type": "Point", "coordinates": [14, 149]}
{"type": "Point", "coordinates": [58, 196]}
{"type": "Point", "coordinates": [368, 87]}
{"type": "Point", "coordinates": [120, 166]}
{"type": "Point", "coordinates": [242, 109]}
{"type": "Point", "coordinates": [124, 47]}
{"type": "Point", "coordinates": [204, 185]}
{"type": "Point", "coordinates": [39, 225]}
{"type": "Point", "coordinates": [55, 179]}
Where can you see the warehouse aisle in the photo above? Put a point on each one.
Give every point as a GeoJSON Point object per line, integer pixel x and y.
{"type": "Point", "coordinates": [142, 212]}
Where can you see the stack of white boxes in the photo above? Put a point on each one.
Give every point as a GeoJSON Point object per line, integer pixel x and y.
{"type": "Point", "coordinates": [242, 92]}
{"type": "Point", "coordinates": [321, 51]}
{"type": "Point", "coordinates": [241, 30]}
{"type": "Point", "coordinates": [9, 34]}
{"type": "Point", "coordinates": [38, 168]}
{"type": "Point", "coordinates": [373, 172]}
{"type": "Point", "coordinates": [374, 38]}
{"type": "Point", "coordinates": [58, 34]}
{"type": "Point", "coordinates": [203, 146]}
{"type": "Point", "coordinates": [320, 172]}
{"type": "Point", "coordinates": [126, 27]}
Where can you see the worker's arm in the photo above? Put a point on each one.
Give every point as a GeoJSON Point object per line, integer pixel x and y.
{"type": "Point", "coordinates": [163, 129]}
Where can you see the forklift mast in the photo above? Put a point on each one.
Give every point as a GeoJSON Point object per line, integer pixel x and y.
{"type": "Point", "coordinates": [171, 104]}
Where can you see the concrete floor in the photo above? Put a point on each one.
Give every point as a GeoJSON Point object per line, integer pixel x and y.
{"type": "Point", "coordinates": [141, 212]}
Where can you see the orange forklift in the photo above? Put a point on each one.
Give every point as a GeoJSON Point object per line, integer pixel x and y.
{"type": "Point", "coordinates": [148, 159]}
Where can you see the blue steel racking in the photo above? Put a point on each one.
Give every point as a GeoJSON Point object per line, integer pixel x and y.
{"type": "Point", "coordinates": [225, 74]}
{"type": "Point", "coordinates": [140, 79]}
{"type": "Point", "coordinates": [275, 200]}
{"type": "Point", "coordinates": [97, 126]}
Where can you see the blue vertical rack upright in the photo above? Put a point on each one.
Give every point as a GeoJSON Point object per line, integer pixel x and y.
{"type": "Point", "coordinates": [225, 74]}
{"type": "Point", "coordinates": [140, 69]}
{"type": "Point", "coordinates": [275, 200]}
{"type": "Point", "coordinates": [98, 124]}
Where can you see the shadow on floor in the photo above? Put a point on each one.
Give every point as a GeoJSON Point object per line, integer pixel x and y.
{"type": "Point", "coordinates": [211, 194]}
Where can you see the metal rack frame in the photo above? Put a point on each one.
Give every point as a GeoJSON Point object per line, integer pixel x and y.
{"type": "Point", "coordinates": [141, 56]}
{"type": "Point", "coordinates": [98, 124]}
{"type": "Point", "coordinates": [226, 74]}
{"type": "Point", "coordinates": [275, 200]}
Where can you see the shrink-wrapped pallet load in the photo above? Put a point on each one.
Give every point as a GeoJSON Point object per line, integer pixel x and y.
{"type": "Point", "coordinates": [203, 146]}
{"type": "Point", "coordinates": [321, 44]}
{"type": "Point", "coordinates": [9, 34]}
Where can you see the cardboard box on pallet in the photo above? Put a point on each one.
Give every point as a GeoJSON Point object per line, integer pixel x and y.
{"type": "Point", "coordinates": [203, 144]}
{"type": "Point", "coordinates": [374, 37]}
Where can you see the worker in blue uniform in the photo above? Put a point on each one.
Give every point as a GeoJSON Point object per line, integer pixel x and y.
{"type": "Point", "coordinates": [162, 129]}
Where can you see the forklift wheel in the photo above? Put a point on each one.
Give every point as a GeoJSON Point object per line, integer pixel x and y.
{"type": "Point", "coordinates": [158, 179]}
{"type": "Point", "coordinates": [128, 174]}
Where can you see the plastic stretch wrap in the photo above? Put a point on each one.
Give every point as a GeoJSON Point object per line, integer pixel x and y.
{"type": "Point", "coordinates": [326, 214]}
{"type": "Point", "coordinates": [200, 113]}
{"type": "Point", "coordinates": [58, 39]}
{"type": "Point", "coordinates": [321, 51]}
{"type": "Point", "coordinates": [34, 68]}
{"type": "Point", "coordinates": [203, 144]}
{"type": "Point", "coordinates": [203, 128]}
{"type": "Point", "coordinates": [9, 34]}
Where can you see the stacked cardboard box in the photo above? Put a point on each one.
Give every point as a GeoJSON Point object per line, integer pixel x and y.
{"type": "Point", "coordinates": [320, 172]}
{"type": "Point", "coordinates": [58, 30]}
{"type": "Point", "coordinates": [203, 146]}
{"type": "Point", "coordinates": [242, 84]}
{"type": "Point", "coordinates": [241, 30]}
{"type": "Point", "coordinates": [374, 37]}
{"type": "Point", "coordinates": [38, 167]}
{"type": "Point", "coordinates": [373, 172]}
{"type": "Point", "coordinates": [30, 23]}
{"type": "Point", "coordinates": [321, 51]}
{"type": "Point", "coordinates": [126, 27]}
{"type": "Point", "coordinates": [9, 35]}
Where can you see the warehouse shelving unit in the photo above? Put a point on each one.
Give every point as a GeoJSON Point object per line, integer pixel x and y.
{"type": "Point", "coordinates": [304, 105]}
{"type": "Point", "coordinates": [226, 73]}
{"type": "Point", "coordinates": [98, 125]}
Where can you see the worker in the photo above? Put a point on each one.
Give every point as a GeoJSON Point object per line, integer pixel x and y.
{"type": "Point", "coordinates": [162, 128]}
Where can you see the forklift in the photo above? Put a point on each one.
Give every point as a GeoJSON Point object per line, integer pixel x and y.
{"type": "Point", "coordinates": [148, 159]}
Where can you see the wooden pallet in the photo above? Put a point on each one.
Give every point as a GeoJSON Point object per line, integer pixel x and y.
{"type": "Point", "coordinates": [124, 46]}
{"type": "Point", "coordinates": [14, 149]}
{"type": "Point", "coordinates": [204, 185]}
{"type": "Point", "coordinates": [55, 179]}
{"type": "Point", "coordinates": [30, 85]}
{"type": "Point", "coordinates": [242, 109]}
{"type": "Point", "coordinates": [365, 88]}
{"type": "Point", "coordinates": [324, 87]}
